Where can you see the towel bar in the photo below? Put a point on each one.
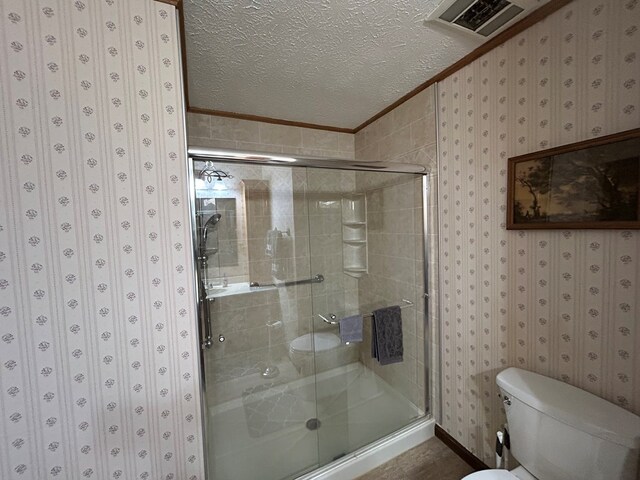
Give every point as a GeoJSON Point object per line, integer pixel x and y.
{"type": "Point", "coordinates": [332, 320]}
{"type": "Point", "coordinates": [319, 278]}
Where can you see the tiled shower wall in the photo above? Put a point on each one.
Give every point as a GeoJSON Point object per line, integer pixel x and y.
{"type": "Point", "coordinates": [406, 135]}
{"type": "Point", "coordinates": [396, 273]}
{"type": "Point", "coordinates": [561, 303]}
{"type": "Point", "coordinates": [222, 132]}
{"type": "Point", "coordinates": [305, 202]}
{"type": "Point", "coordinates": [99, 372]}
{"type": "Point", "coordinates": [339, 292]}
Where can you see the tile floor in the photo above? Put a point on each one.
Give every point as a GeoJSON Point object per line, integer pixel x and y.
{"type": "Point", "coordinates": [432, 460]}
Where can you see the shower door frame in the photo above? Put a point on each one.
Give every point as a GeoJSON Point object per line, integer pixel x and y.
{"type": "Point", "coordinates": [195, 153]}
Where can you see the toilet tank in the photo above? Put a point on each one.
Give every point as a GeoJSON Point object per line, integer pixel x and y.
{"type": "Point", "coordinates": [559, 432]}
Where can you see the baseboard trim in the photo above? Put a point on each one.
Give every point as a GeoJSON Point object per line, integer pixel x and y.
{"type": "Point", "coordinates": [459, 449]}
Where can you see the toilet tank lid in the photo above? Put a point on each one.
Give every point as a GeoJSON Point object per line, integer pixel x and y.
{"type": "Point", "coordinates": [573, 406]}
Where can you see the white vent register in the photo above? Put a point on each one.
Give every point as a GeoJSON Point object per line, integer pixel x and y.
{"type": "Point", "coordinates": [482, 17]}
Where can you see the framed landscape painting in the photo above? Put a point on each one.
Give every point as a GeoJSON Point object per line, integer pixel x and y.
{"type": "Point", "coordinates": [590, 184]}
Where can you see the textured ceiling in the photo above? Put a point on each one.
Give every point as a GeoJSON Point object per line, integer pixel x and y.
{"type": "Point", "coordinates": [330, 62]}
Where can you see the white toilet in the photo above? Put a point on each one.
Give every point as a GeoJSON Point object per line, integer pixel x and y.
{"type": "Point", "coordinates": [316, 352]}
{"type": "Point", "coordinates": [559, 432]}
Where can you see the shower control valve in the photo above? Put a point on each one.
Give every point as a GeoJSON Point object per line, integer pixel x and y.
{"type": "Point", "coordinates": [221, 338]}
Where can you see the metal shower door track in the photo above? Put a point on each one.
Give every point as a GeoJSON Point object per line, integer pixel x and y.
{"type": "Point", "coordinates": [227, 155]}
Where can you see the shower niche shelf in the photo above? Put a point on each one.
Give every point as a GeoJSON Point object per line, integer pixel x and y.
{"type": "Point", "coordinates": [355, 257]}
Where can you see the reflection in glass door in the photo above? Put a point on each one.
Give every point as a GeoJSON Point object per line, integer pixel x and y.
{"type": "Point", "coordinates": [283, 254]}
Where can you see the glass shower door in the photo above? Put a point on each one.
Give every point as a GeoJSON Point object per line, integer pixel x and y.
{"type": "Point", "coordinates": [366, 236]}
{"type": "Point", "coordinates": [283, 254]}
{"type": "Point", "coordinates": [253, 263]}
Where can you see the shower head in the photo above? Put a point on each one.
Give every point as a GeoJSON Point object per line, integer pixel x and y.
{"type": "Point", "coordinates": [214, 219]}
{"type": "Point", "coordinates": [212, 222]}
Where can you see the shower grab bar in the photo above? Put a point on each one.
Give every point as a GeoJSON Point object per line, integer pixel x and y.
{"type": "Point", "coordinates": [332, 316]}
{"type": "Point", "coordinates": [319, 278]}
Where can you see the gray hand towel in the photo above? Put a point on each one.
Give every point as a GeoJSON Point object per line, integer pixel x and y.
{"type": "Point", "coordinates": [386, 341]}
{"type": "Point", "coordinates": [351, 329]}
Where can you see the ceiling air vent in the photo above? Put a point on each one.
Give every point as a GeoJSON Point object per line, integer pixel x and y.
{"type": "Point", "coordinates": [482, 17]}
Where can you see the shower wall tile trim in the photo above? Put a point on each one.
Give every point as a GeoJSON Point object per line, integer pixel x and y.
{"type": "Point", "coordinates": [561, 303]}
{"type": "Point", "coordinates": [98, 354]}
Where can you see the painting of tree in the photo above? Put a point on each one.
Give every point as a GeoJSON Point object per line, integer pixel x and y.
{"type": "Point", "coordinates": [533, 180]}
{"type": "Point", "coordinates": [569, 188]}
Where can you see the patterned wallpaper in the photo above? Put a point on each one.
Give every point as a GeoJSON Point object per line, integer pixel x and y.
{"type": "Point", "coordinates": [98, 357]}
{"type": "Point", "coordinates": [561, 303]}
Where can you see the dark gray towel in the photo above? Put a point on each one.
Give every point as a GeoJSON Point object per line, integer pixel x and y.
{"type": "Point", "coordinates": [351, 329]}
{"type": "Point", "coordinates": [386, 335]}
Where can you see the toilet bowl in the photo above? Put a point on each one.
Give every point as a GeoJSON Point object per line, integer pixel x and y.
{"type": "Point", "coordinates": [493, 474]}
{"type": "Point", "coordinates": [316, 352]}
{"type": "Point", "coordinates": [498, 474]}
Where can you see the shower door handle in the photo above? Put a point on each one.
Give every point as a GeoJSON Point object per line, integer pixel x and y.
{"type": "Point", "coordinates": [207, 341]}
{"type": "Point", "coordinates": [205, 317]}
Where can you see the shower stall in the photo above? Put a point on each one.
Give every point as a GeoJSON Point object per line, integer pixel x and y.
{"type": "Point", "coordinates": [286, 247]}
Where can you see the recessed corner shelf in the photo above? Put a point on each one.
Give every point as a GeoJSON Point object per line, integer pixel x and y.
{"type": "Point", "coordinates": [355, 257]}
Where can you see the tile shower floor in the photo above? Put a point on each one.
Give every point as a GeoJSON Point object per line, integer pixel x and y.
{"type": "Point", "coordinates": [264, 434]}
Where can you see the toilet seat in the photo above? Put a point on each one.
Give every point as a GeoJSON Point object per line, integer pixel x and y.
{"type": "Point", "coordinates": [493, 474]}
{"type": "Point", "coordinates": [323, 341]}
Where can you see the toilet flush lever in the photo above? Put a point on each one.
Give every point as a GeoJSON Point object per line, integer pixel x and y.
{"type": "Point", "coordinates": [507, 400]}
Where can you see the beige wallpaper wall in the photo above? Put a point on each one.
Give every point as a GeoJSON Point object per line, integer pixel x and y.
{"type": "Point", "coordinates": [562, 303]}
{"type": "Point", "coordinates": [98, 357]}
